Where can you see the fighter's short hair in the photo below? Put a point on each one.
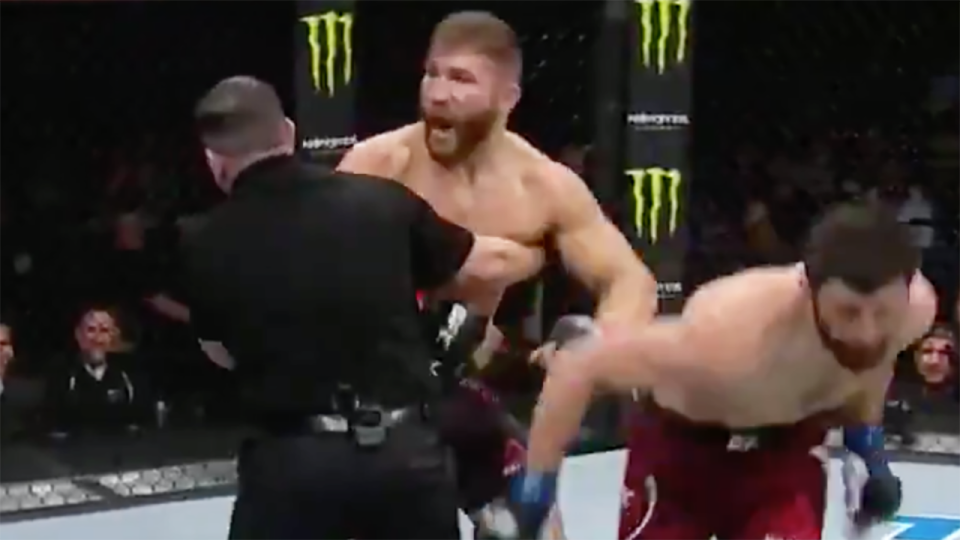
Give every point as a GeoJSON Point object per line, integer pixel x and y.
{"type": "Point", "coordinates": [483, 32]}
{"type": "Point", "coordinates": [861, 244]}
{"type": "Point", "coordinates": [239, 116]}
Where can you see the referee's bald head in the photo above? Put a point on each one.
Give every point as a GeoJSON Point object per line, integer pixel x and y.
{"type": "Point", "coordinates": [242, 116]}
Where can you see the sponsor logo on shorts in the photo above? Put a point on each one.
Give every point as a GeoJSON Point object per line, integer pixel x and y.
{"type": "Point", "coordinates": [330, 44]}
{"type": "Point", "coordinates": [656, 195]}
{"type": "Point", "coordinates": [662, 29]}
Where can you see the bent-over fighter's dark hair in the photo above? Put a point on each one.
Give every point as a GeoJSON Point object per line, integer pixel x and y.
{"type": "Point", "coordinates": [862, 245]}
{"type": "Point", "coordinates": [240, 116]}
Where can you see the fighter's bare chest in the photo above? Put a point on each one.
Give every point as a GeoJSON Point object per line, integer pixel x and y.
{"type": "Point", "coordinates": [498, 206]}
{"type": "Point", "coordinates": [783, 382]}
{"type": "Point", "coordinates": [807, 377]}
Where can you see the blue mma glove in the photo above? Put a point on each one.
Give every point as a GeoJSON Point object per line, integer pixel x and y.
{"type": "Point", "coordinates": [881, 495]}
{"type": "Point", "coordinates": [532, 496]}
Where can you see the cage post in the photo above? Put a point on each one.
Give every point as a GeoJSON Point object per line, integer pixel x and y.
{"type": "Point", "coordinates": [610, 100]}
{"type": "Point", "coordinates": [325, 77]}
{"type": "Point", "coordinates": [658, 175]}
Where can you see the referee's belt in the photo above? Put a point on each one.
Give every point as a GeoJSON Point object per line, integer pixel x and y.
{"type": "Point", "coordinates": [362, 417]}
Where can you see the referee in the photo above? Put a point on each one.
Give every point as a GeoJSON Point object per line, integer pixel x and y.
{"type": "Point", "coordinates": [303, 282]}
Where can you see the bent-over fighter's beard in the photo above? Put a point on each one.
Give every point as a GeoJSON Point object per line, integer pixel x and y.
{"type": "Point", "coordinates": [855, 359]}
{"type": "Point", "coordinates": [468, 133]}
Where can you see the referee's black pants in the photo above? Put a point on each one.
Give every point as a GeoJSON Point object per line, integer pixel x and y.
{"type": "Point", "coordinates": [325, 486]}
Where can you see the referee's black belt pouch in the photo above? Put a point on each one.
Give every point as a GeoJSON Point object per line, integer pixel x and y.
{"type": "Point", "coordinates": [333, 423]}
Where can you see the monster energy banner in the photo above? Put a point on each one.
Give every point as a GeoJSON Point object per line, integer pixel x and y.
{"type": "Point", "coordinates": [658, 174]}
{"type": "Point", "coordinates": [325, 76]}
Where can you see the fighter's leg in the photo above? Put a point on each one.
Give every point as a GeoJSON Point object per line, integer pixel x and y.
{"type": "Point", "coordinates": [647, 513]}
{"type": "Point", "coordinates": [653, 505]}
{"type": "Point", "coordinates": [794, 503]}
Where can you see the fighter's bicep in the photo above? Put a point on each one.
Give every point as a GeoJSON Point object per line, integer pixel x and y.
{"type": "Point", "coordinates": [589, 244]}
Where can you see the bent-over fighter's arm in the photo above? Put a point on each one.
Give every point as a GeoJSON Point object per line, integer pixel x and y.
{"type": "Point", "coordinates": [863, 433]}
{"type": "Point", "coordinates": [625, 358]}
{"type": "Point", "coordinates": [617, 360]}
{"type": "Point", "coordinates": [594, 250]}
{"type": "Point", "coordinates": [867, 406]}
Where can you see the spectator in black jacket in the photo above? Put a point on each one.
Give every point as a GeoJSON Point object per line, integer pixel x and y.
{"type": "Point", "coordinates": [94, 390]}
{"type": "Point", "coordinates": [20, 394]}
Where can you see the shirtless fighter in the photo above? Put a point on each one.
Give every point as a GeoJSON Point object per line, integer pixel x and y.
{"type": "Point", "coordinates": [744, 384]}
{"type": "Point", "coordinates": [462, 159]}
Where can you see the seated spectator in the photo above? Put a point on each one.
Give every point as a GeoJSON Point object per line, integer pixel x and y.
{"type": "Point", "coordinates": [94, 390]}
{"type": "Point", "coordinates": [20, 396]}
{"type": "Point", "coordinates": [935, 360]}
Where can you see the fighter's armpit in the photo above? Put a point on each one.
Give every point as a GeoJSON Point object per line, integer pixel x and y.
{"type": "Point", "coordinates": [592, 247]}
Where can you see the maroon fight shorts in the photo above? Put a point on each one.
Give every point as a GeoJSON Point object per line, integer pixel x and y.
{"type": "Point", "coordinates": [687, 480]}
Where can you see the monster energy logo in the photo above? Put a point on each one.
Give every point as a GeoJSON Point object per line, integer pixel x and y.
{"type": "Point", "coordinates": [655, 37]}
{"type": "Point", "coordinates": [649, 193]}
{"type": "Point", "coordinates": [325, 49]}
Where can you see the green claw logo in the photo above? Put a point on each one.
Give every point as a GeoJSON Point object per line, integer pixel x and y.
{"type": "Point", "coordinates": [655, 35]}
{"type": "Point", "coordinates": [655, 190]}
{"type": "Point", "coordinates": [330, 35]}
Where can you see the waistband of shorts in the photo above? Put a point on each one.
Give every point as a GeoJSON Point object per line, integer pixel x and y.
{"type": "Point", "coordinates": [676, 422]}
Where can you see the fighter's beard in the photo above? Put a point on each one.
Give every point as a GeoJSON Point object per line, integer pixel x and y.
{"type": "Point", "coordinates": [467, 135]}
{"type": "Point", "coordinates": [852, 358]}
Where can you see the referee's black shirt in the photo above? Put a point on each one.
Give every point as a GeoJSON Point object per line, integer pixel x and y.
{"type": "Point", "coordinates": [308, 278]}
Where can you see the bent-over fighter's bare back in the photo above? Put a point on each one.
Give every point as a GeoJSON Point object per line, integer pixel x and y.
{"type": "Point", "coordinates": [763, 360]}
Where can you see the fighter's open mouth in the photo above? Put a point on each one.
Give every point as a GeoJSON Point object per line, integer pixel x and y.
{"type": "Point", "coordinates": [440, 124]}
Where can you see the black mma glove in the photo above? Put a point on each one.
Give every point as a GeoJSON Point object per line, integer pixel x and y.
{"type": "Point", "coordinates": [879, 500]}
{"type": "Point", "coordinates": [571, 328]}
{"type": "Point", "coordinates": [458, 334]}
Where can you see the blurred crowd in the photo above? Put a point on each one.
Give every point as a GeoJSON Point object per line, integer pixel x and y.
{"type": "Point", "coordinates": [772, 195]}
{"type": "Point", "coordinates": [94, 336]}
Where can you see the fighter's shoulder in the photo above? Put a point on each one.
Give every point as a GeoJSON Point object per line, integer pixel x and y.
{"type": "Point", "coordinates": [548, 177]}
{"type": "Point", "coordinates": [749, 297]}
{"type": "Point", "coordinates": [386, 154]}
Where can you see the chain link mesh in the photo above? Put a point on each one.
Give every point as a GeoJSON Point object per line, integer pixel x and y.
{"type": "Point", "coordinates": [112, 79]}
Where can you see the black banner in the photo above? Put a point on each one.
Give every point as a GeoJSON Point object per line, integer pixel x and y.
{"type": "Point", "coordinates": [657, 178]}
{"type": "Point", "coordinates": [325, 76]}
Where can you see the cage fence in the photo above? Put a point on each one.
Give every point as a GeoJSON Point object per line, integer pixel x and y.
{"type": "Point", "coordinates": [778, 78]}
